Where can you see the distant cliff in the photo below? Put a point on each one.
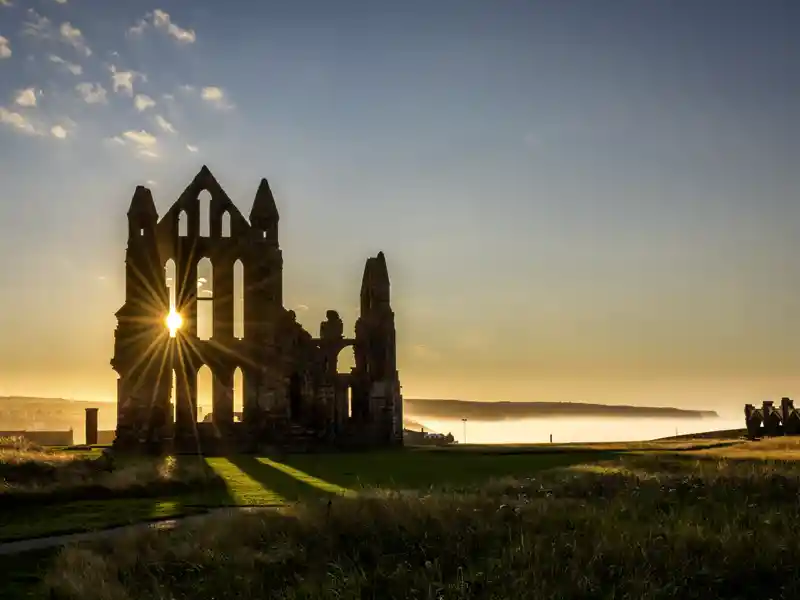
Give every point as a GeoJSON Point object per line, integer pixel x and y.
{"type": "Point", "coordinates": [498, 411]}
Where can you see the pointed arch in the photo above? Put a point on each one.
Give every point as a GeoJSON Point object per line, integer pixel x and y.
{"type": "Point", "coordinates": [205, 299]}
{"type": "Point", "coordinates": [173, 397]}
{"type": "Point", "coordinates": [170, 276]}
{"type": "Point", "coordinates": [238, 394]}
{"type": "Point", "coordinates": [183, 224]}
{"type": "Point", "coordinates": [204, 201]}
{"type": "Point", "coordinates": [205, 390]}
{"type": "Point", "coordinates": [238, 300]}
{"type": "Point", "coordinates": [226, 224]}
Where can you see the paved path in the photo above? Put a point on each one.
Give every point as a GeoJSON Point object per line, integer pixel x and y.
{"type": "Point", "coordinates": [54, 541]}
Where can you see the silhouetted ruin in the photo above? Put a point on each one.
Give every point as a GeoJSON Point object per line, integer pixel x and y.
{"type": "Point", "coordinates": [771, 421]}
{"type": "Point", "coordinates": [292, 393]}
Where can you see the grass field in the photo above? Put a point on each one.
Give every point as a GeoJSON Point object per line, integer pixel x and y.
{"type": "Point", "coordinates": [686, 518]}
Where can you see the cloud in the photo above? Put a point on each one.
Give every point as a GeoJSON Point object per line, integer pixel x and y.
{"type": "Point", "coordinates": [41, 27]}
{"type": "Point", "coordinates": [144, 144]}
{"type": "Point", "coordinates": [37, 25]}
{"type": "Point", "coordinates": [216, 96]}
{"type": "Point", "coordinates": [5, 48]}
{"type": "Point", "coordinates": [26, 97]}
{"type": "Point", "coordinates": [302, 307]}
{"type": "Point", "coordinates": [151, 183]}
{"type": "Point", "coordinates": [92, 93]}
{"type": "Point", "coordinates": [141, 138]}
{"type": "Point", "coordinates": [61, 1]}
{"type": "Point", "coordinates": [6, 3]}
{"type": "Point", "coordinates": [71, 67]}
{"type": "Point", "coordinates": [143, 102]}
{"type": "Point", "coordinates": [73, 36]}
{"type": "Point", "coordinates": [161, 20]}
{"type": "Point", "coordinates": [139, 28]}
{"type": "Point", "coordinates": [57, 131]}
{"type": "Point", "coordinates": [122, 81]}
{"type": "Point", "coordinates": [192, 149]}
{"type": "Point", "coordinates": [186, 88]}
{"type": "Point", "coordinates": [17, 121]}
{"type": "Point", "coordinates": [164, 124]}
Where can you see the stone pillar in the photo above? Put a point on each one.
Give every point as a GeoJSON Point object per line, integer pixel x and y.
{"type": "Point", "coordinates": [91, 426]}
{"type": "Point", "coordinates": [186, 402]}
{"type": "Point", "coordinates": [222, 398]}
{"type": "Point", "coordinates": [223, 299]}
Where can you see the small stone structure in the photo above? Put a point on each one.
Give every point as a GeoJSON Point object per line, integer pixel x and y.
{"type": "Point", "coordinates": [772, 421]}
{"type": "Point", "coordinates": [91, 426]}
{"type": "Point", "coordinates": [293, 395]}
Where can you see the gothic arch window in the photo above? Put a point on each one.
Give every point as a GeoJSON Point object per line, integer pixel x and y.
{"type": "Point", "coordinates": [205, 299]}
{"type": "Point", "coordinates": [204, 201]}
{"type": "Point", "coordinates": [183, 224]}
{"type": "Point", "coordinates": [238, 299]}
{"type": "Point", "coordinates": [226, 224]}
{"type": "Point", "coordinates": [238, 393]}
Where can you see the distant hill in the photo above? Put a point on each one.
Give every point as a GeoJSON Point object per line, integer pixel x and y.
{"type": "Point", "coordinates": [498, 411]}
{"type": "Point", "coordinates": [29, 413]}
{"type": "Point", "coordinates": [59, 413]}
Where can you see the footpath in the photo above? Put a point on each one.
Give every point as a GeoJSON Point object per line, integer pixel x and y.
{"type": "Point", "coordinates": [54, 541]}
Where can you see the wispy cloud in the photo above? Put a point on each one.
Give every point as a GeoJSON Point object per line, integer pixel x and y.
{"type": "Point", "coordinates": [17, 121]}
{"type": "Point", "coordinates": [5, 48]}
{"type": "Point", "coordinates": [73, 36]}
{"type": "Point", "coordinates": [41, 27]}
{"type": "Point", "coordinates": [26, 97]}
{"type": "Point", "coordinates": [144, 144]}
{"type": "Point", "coordinates": [122, 81]}
{"type": "Point", "coordinates": [37, 25]}
{"type": "Point", "coordinates": [192, 149]}
{"type": "Point", "coordinates": [160, 19]}
{"type": "Point", "coordinates": [57, 131]}
{"type": "Point", "coordinates": [164, 124]}
{"type": "Point", "coordinates": [73, 68]}
{"type": "Point", "coordinates": [139, 28]}
{"type": "Point", "coordinates": [6, 3]}
{"type": "Point", "coordinates": [216, 96]}
{"type": "Point", "coordinates": [92, 93]}
{"type": "Point", "coordinates": [143, 102]}
{"type": "Point", "coordinates": [302, 307]}
{"type": "Point", "coordinates": [61, 1]}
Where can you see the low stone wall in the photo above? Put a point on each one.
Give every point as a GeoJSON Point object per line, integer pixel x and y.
{"type": "Point", "coordinates": [44, 438]}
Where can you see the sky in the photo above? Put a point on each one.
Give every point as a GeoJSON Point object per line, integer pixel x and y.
{"type": "Point", "coordinates": [587, 201]}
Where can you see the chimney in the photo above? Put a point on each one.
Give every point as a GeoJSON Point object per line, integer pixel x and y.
{"type": "Point", "coordinates": [91, 426]}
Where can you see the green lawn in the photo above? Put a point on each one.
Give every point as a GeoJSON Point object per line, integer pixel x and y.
{"type": "Point", "coordinates": [264, 481]}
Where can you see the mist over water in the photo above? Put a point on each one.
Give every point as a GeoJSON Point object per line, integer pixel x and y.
{"type": "Point", "coordinates": [575, 429]}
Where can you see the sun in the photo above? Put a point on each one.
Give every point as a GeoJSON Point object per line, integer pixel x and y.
{"type": "Point", "coordinates": [174, 322]}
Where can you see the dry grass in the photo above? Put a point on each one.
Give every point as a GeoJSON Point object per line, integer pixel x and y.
{"type": "Point", "coordinates": [644, 525]}
{"type": "Point", "coordinates": [31, 474]}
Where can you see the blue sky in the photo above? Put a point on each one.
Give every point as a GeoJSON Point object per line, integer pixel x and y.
{"type": "Point", "coordinates": [575, 198]}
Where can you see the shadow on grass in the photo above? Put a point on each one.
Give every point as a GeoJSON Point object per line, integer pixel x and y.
{"type": "Point", "coordinates": [289, 483]}
{"type": "Point", "coordinates": [411, 469]}
{"type": "Point", "coordinates": [123, 502]}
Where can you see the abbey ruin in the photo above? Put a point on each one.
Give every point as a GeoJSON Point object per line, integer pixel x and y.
{"type": "Point", "coordinates": [292, 392]}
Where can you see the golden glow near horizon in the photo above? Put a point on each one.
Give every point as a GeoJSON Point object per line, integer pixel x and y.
{"type": "Point", "coordinates": [174, 322]}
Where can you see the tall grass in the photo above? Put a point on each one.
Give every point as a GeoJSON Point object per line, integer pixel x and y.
{"type": "Point", "coordinates": [634, 527]}
{"type": "Point", "coordinates": [30, 474]}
